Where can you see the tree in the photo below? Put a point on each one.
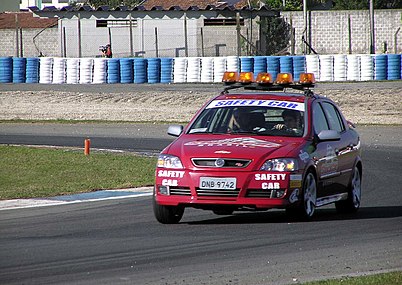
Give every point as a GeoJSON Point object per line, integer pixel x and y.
{"type": "Point", "coordinates": [297, 5]}
{"type": "Point", "coordinates": [364, 4]}
{"type": "Point", "coordinates": [276, 32]}
{"type": "Point", "coordinates": [113, 3]}
{"type": "Point", "coordinates": [292, 5]}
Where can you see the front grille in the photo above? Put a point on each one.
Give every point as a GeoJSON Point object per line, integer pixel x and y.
{"type": "Point", "coordinates": [211, 162]}
{"type": "Point", "coordinates": [218, 192]}
{"type": "Point", "coordinates": [258, 193]}
{"type": "Point", "coordinates": [182, 191]}
{"type": "Point", "coordinates": [265, 193]}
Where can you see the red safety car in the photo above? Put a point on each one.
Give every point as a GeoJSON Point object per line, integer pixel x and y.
{"type": "Point", "coordinates": [261, 147]}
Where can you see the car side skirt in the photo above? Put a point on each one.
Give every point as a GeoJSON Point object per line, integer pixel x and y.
{"type": "Point", "coordinates": [331, 199]}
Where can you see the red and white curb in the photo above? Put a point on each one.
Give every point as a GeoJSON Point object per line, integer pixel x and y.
{"type": "Point", "coordinates": [78, 198]}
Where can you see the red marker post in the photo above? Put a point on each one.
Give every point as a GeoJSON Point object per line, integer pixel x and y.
{"type": "Point", "coordinates": [87, 146]}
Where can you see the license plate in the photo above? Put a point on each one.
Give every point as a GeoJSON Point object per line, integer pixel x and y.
{"type": "Point", "coordinates": [217, 183]}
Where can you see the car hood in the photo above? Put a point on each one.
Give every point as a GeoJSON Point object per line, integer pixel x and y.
{"type": "Point", "coordinates": [241, 147]}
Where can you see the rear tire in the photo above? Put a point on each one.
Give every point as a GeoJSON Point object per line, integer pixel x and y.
{"type": "Point", "coordinates": [352, 203]}
{"type": "Point", "coordinates": [167, 214]}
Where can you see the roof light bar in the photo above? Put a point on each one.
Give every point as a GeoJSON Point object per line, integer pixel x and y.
{"type": "Point", "coordinates": [264, 80]}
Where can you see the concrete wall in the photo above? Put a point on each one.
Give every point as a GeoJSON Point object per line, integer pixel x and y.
{"type": "Point", "coordinates": [9, 6]}
{"type": "Point", "coordinates": [47, 42]}
{"type": "Point", "coordinates": [329, 31]}
{"type": "Point", "coordinates": [329, 34]}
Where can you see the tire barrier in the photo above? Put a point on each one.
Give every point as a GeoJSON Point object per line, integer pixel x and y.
{"type": "Point", "coordinates": [180, 70]}
{"type": "Point", "coordinates": [380, 67]}
{"type": "Point", "coordinates": [73, 70]}
{"type": "Point", "coordinates": [232, 63]}
{"type": "Point", "coordinates": [193, 69]}
{"type": "Point", "coordinates": [246, 64]}
{"type": "Point", "coordinates": [113, 70]}
{"type": "Point", "coordinates": [45, 70]}
{"type": "Point", "coordinates": [140, 70]}
{"type": "Point", "coordinates": [260, 65]}
{"type": "Point", "coordinates": [299, 66]}
{"type": "Point", "coordinates": [166, 70]}
{"type": "Point", "coordinates": [154, 70]}
{"type": "Point", "coordinates": [393, 67]}
{"type": "Point", "coordinates": [340, 67]}
{"type": "Point", "coordinates": [6, 69]}
{"type": "Point", "coordinates": [366, 67]}
{"type": "Point", "coordinates": [100, 70]}
{"type": "Point", "coordinates": [86, 65]}
{"type": "Point", "coordinates": [48, 70]}
{"type": "Point", "coordinates": [126, 70]}
{"type": "Point", "coordinates": [207, 69]}
{"type": "Point", "coordinates": [353, 67]}
{"type": "Point", "coordinates": [313, 65]}
{"type": "Point", "coordinates": [286, 64]}
{"type": "Point", "coordinates": [326, 67]}
{"type": "Point", "coordinates": [219, 68]}
{"type": "Point", "coordinates": [19, 69]}
{"type": "Point", "coordinates": [273, 66]}
{"type": "Point", "coordinates": [32, 70]}
{"type": "Point", "coordinates": [59, 70]}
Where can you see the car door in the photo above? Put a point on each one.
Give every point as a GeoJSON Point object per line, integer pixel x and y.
{"type": "Point", "coordinates": [344, 147]}
{"type": "Point", "coordinates": [326, 154]}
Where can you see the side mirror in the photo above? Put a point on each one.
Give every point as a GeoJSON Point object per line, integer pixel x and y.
{"type": "Point", "coordinates": [329, 135]}
{"type": "Point", "coordinates": [175, 130]}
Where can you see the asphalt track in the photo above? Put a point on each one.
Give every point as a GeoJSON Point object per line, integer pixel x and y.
{"type": "Point", "coordinates": [119, 241]}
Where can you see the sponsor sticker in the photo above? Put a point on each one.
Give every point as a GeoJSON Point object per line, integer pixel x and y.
{"type": "Point", "coordinates": [294, 197]}
{"type": "Point", "coordinates": [295, 180]}
{"type": "Point", "coordinates": [234, 142]}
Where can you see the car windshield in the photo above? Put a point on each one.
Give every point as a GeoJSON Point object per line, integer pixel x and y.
{"type": "Point", "coordinates": [259, 117]}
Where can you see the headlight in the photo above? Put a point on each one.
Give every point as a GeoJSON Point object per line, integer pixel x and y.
{"type": "Point", "coordinates": [169, 161]}
{"type": "Point", "coordinates": [280, 164]}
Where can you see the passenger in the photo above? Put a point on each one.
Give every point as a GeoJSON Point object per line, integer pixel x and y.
{"type": "Point", "coordinates": [292, 122]}
{"type": "Point", "coordinates": [245, 120]}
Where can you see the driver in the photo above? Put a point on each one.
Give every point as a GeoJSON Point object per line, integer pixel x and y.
{"type": "Point", "coordinates": [292, 122]}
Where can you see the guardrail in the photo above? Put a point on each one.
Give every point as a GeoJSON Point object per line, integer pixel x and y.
{"type": "Point", "coordinates": [195, 69]}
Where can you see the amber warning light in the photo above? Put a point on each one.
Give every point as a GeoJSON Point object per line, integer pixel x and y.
{"type": "Point", "coordinates": [230, 77]}
{"type": "Point", "coordinates": [307, 78]}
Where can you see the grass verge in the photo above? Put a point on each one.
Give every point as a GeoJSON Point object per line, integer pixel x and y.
{"type": "Point", "coordinates": [391, 278]}
{"type": "Point", "coordinates": [27, 172]}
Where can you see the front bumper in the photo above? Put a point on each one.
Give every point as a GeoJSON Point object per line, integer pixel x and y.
{"type": "Point", "coordinates": [258, 190]}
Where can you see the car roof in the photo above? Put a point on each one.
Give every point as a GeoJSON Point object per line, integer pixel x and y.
{"type": "Point", "coordinates": [265, 94]}
{"type": "Point", "coordinates": [285, 96]}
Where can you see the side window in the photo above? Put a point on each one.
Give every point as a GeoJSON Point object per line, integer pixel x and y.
{"type": "Point", "coordinates": [319, 120]}
{"type": "Point", "coordinates": [334, 118]}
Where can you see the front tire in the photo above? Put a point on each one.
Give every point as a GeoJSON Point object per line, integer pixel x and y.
{"type": "Point", "coordinates": [167, 214]}
{"type": "Point", "coordinates": [306, 208]}
{"type": "Point", "coordinates": [352, 203]}
{"type": "Point", "coordinates": [309, 195]}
